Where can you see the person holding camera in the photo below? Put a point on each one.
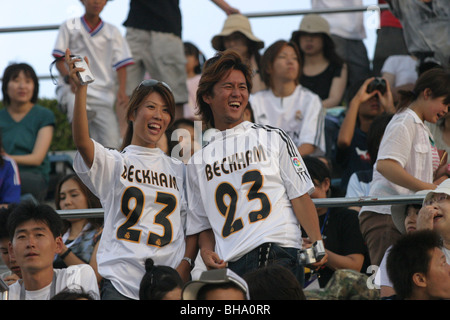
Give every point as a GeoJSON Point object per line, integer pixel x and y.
{"type": "Point", "coordinates": [339, 227]}
{"type": "Point", "coordinates": [369, 100]}
{"type": "Point", "coordinates": [248, 189]}
{"type": "Point", "coordinates": [407, 159]}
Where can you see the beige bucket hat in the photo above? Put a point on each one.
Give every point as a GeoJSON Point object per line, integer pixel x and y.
{"type": "Point", "coordinates": [235, 23]}
{"type": "Point", "coordinates": [312, 23]}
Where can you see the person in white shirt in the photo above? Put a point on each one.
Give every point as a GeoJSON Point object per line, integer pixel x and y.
{"type": "Point", "coordinates": [35, 238]}
{"type": "Point", "coordinates": [248, 188]}
{"type": "Point", "coordinates": [103, 44]}
{"type": "Point", "coordinates": [407, 158]}
{"type": "Point", "coordinates": [286, 104]}
{"type": "Point", "coordinates": [141, 190]}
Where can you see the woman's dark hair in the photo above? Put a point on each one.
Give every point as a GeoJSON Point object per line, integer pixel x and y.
{"type": "Point", "coordinates": [138, 95]}
{"type": "Point", "coordinates": [92, 200]}
{"type": "Point", "coordinates": [269, 57]}
{"type": "Point", "coordinates": [158, 281]}
{"type": "Point", "coordinates": [12, 72]}
{"type": "Point", "coordinates": [329, 48]}
{"type": "Point", "coordinates": [191, 50]}
{"type": "Point", "coordinates": [436, 79]}
{"type": "Point", "coordinates": [214, 70]}
{"type": "Point", "coordinates": [317, 169]}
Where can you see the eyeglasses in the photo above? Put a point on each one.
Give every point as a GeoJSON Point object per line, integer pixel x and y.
{"type": "Point", "coordinates": [436, 199]}
{"type": "Point", "coordinates": [152, 83]}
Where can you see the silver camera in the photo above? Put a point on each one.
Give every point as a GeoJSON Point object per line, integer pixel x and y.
{"type": "Point", "coordinates": [4, 290]}
{"type": "Point", "coordinates": [85, 76]}
{"type": "Point", "coordinates": [313, 254]}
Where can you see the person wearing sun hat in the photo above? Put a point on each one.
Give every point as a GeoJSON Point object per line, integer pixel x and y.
{"type": "Point", "coordinates": [237, 34]}
{"type": "Point", "coordinates": [409, 218]}
{"type": "Point", "coordinates": [311, 23]}
{"type": "Point", "coordinates": [323, 70]}
{"type": "Point", "coordinates": [213, 282]}
{"type": "Point", "coordinates": [435, 214]}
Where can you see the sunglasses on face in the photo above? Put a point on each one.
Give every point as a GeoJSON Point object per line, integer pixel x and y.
{"type": "Point", "coordinates": [152, 83]}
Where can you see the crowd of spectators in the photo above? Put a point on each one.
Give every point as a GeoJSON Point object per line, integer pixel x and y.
{"type": "Point", "coordinates": [356, 130]}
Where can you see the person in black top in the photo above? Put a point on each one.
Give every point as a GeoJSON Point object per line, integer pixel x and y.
{"type": "Point", "coordinates": [154, 36]}
{"type": "Point", "coordinates": [339, 227]}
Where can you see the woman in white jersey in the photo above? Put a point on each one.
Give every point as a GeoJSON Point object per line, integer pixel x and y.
{"type": "Point", "coordinates": [286, 104]}
{"type": "Point", "coordinates": [248, 189]}
{"type": "Point", "coordinates": [141, 190]}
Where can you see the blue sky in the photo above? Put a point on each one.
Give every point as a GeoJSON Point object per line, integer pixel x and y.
{"type": "Point", "coordinates": [201, 21]}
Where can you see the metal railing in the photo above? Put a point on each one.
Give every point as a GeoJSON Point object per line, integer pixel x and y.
{"type": "Point", "coordinates": [328, 202]}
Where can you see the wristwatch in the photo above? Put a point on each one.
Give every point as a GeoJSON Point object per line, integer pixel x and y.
{"type": "Point", "coordinates": [67, 79]}
{"type": "Point", "coordinates": [189, 260]}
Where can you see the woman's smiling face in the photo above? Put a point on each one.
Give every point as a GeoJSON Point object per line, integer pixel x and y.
{"type": "Point", "coordinates": [150, 121]}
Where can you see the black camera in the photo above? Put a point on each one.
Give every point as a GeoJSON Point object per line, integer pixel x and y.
{"type": "Point", "coordinates": [313, 254]}
{"type": "Point", "coordinates": [377, 84]}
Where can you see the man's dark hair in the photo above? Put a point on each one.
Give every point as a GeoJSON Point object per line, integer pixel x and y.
{"type": "Point", "coordinates": [411, 254]}
{"type": "Point", "coordinates": [28, 210]}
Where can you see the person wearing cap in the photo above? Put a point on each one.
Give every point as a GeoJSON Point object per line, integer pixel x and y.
{"type": "Point", "coordinates": [285, 103]}
{"type": "Point", "coordinates": [323, 71]}
{"type": "Point", "coordinates": [218, 284]}
{"type": "Point", "coordinates": [237, 34]}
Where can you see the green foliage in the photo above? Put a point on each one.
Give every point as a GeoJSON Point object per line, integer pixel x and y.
{"type": "Point", "coordinates": [62, 136]}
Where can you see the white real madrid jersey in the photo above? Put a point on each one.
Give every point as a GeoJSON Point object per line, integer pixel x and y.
{"type": "Point", "coordinates": [241, 184]}
{"type": "Point", "coordinates": [301, 115]}
{"type": "Point", "coordinates": [142, 194]}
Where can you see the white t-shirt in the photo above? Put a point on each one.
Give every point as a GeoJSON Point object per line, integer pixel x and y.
{"type": "Point", "coordinates": [240, 186]}
{"type": "Point", "coordinates": [301, 115]}
{"type": "Point", "coordinates": [403, 67]}
{"type": "Point", "coordinates": [142, 193]}
{"type": "Point", "coordinates": [76, 277]}
{"type": "Point", "coordinates": [407, 141]}
{"type": "Point", "coordinates": [348, 25]}
{"type": "Point", "coordinates": [104, 46]}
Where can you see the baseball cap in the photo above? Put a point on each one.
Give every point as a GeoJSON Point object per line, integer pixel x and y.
{"type": "Point", "coordinates": [398, 213]}
{"type": "Point", "coordinates": [216, 276]}
{"type": "Point", "coordinates": [235, 23]}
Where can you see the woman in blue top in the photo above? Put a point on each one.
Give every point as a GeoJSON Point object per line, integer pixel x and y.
{"type": "Point", "coordinates": [27, 128]}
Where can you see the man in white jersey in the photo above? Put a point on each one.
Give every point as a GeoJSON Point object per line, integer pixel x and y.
{"type": "Point", "coordinates": [248, 189]}
{"type": "Point", "coordinates": [35, 238]}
